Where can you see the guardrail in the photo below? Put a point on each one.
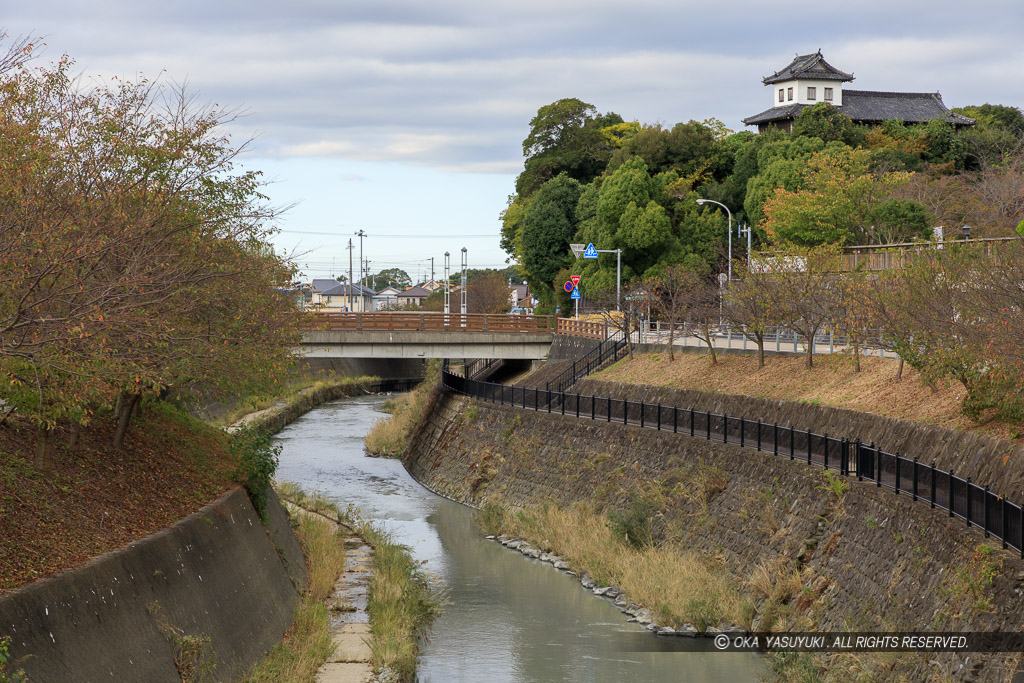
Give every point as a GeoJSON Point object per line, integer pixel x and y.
{"type": "Point", "coordinates": [977, 505]}
{"type": "Point", "coordinates": [430, 321]}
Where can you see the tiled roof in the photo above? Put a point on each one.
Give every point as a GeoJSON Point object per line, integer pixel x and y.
{"type": "Point", "coordinates": [868, 106]}
{"type": "Point", "coordinates": [808, 66]}
{"type": "Point", "coordinates": [415, 291]}
{"type": "Point", "coordinates": [341, 289]}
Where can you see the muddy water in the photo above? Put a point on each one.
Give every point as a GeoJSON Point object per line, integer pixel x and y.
{"type": "Point", "coordinates": [508, 618]}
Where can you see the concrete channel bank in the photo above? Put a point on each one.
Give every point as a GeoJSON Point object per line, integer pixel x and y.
{"type": "Point", "coordinates": [869, 559]}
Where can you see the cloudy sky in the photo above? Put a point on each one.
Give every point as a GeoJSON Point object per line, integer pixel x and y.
{"type": "Point", "coordinates": [406, 119]}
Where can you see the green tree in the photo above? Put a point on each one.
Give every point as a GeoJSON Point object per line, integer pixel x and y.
{"type": "Point", "coordinates": [565, 137]}
{"type": "Point", "coordinates": [549, 224]}
{"type": "Point", "coordinates": [391, 277]}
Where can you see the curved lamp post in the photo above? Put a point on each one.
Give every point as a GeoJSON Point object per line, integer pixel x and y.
{"type": "Point", "coordinates": [702, 202]}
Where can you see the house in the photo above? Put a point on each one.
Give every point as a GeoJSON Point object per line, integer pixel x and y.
{"type": "Point", "coordinates": [809, 79]}
{"type": "Point", "coordinates": [386, 298]}
{"type": "Point", "coordinates": [413, 296]}
{"type": "Point", "coordinates": [432, 285]}
{"type": "Point", "coordinates": [343, 297]}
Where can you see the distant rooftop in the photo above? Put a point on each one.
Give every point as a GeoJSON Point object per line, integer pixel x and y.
{"type": "Point", "coordinates": [875, 107]}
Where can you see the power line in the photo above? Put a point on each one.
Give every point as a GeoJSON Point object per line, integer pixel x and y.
{"type": "Point", "coordinates": [425, 236]}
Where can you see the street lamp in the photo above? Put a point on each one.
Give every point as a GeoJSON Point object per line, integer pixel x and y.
{"type": "Point", "coordinates": [702, 202]}
{"type": "Point", "coordinates": [447, 282]}
{"type": "Point", "coordinates": [465, 278]}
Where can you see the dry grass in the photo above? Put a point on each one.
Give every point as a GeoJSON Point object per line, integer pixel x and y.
{"type": "Point", "coordinates": [307, 644]}
{"type": "Point", "coordinates": [390, 437]}
{"type": "Point", "coordinates": [678, 585]}
{"type": "Point", "coordinates": [832, 382]}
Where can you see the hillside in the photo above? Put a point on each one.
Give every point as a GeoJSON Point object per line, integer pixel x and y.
{"type": "Point", "coordinates": [97, 501]}
{"type": "Point", "coordinates": [832, 382]}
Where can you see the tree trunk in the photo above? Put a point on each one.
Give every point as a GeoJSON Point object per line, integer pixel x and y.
{"type": "Point", "coordinates": [810, 353]}
{"type": "Point", "coordinates": [73, 433]}
{"type": "Point", "coordinates": [127, 407]}
{"type": "Point", "coordinates": [899, 370]}
{"type": "Point", "coordinates": [856, 357]}
{"type": "Point", "coordinates": [44, 448]}
{"type": "Point", "coordinates": [760, 351]}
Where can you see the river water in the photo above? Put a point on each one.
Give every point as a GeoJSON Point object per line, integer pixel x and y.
{"type": "Point", "coordinates": [508, 618]}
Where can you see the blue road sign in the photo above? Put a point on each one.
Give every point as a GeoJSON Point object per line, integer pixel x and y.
{"type": "Point", "coordinates": [575, 294]}
{"type": "Point", "coordinates": [569, 286]}
{"type": "Point", "coordinates": [590, 251]}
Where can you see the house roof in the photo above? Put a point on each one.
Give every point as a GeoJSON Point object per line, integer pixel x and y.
{"type": "Point", "coordinates": [808, 66]}
{"type": "Point", "coordinates": [414, 291]}
{"type": "Point", "coordinates": [323, 284]}
{"type": "Point", "coordinates": [872, 107]}
{"type": "Point", "coordinates": [389, 291]}
{"type": "Point", "coordinates": [341, 289]}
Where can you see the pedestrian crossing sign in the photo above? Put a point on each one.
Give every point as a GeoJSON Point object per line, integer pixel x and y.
{"type": "Point", "coordinates": [575, 294]}
{"type": "Point", "coordinates": [590, 251]}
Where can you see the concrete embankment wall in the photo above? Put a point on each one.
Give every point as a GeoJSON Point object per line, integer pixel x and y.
{"type": "Point", "coordinates": [869, 559]}
{"type": "Point", "coordinates": [987, 460]}
{"type": "Point", "coordinates": [218, 582]}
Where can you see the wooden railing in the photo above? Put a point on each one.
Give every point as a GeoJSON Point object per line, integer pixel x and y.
{"type": "Point", "coordinates": [875, 257]}
{"type": "Point", "coordinates": [581, 328]}
{"type": "Point", "coordinates": [429, 321]}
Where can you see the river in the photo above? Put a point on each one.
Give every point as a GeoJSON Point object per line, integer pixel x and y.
{"type": "Point", "coordinates": [508, 618]}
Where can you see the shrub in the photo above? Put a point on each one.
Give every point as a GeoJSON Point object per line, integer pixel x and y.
{"type": "Point", "coordinates": [635, 525]}
{"type": "Point", "coordinates": [257, 457]}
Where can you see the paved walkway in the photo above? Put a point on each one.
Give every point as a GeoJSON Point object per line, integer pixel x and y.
{"type": "Point", "coordinates": [349, 622]}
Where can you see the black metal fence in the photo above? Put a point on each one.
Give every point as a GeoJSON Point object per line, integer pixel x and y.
{"type": "Point", "coordinates": [608, 351]}
{"type": "Point", "coordinates": [977, 505]}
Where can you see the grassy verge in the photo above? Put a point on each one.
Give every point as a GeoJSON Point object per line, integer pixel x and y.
{"type": "Point", "coordinates": [678, 585]}
{"type": "Point", "coordinates": [299, 395]}
{"type": "Point", "coordinates": [307, 644]}
{"type": "Point", "coordinates": [390, 437]}
{"type": "Point", "coordinates": [402, 601]}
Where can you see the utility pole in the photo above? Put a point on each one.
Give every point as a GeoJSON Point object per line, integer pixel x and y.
{"type": "Point", "coordinates": [369, 275]}
{"type": "Point", "coordinates": [362, 275]}
{"type": "Point", "coordinates": [432, 268]}
{"type": "Point", "coordinates": [350, 247]}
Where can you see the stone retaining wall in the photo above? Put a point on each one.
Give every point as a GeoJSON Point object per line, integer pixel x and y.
{"type": "Point", "coordinates": [870, 559]}
{"type": "Point", "coordinates": [216, 589]}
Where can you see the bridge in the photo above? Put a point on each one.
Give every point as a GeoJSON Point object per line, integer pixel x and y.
{"type": "Point", "coordinates": [438, 335]}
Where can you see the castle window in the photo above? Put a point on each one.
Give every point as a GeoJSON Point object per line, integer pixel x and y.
{"type": "Point", "coordinates": [828, 94]}
{"type": "Point", "coordinates": [789, 94]}
{"type": "Point", "coordinates": [781, 97]}
{"type": "Point", "coordinates": [812, 93]}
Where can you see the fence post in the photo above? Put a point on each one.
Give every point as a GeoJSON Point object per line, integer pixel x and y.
{"type": "Point", "coordinates": [549, 400]}
{"type": "Point", "coordinates": [808, 446]}
{"type": "Point", "coordinates": [897, 473]}
{"type": "Point", "coordinates": [950, 496]}
{"type": "Point", "coordinates": [675, 419]}
{"type": "Point", "coordinates": [856, 451]}
{"type": "Point", "coordinates": [913, 495]}
{"type": "Point", "coordinates": [562, 401]}
{"type": "Point", "coordinates": [1002, 525]}
{"type": "Point", "coordinates": [969, 501]}
{"type": "Point", "coordinates": [792, 442]}
{"type": "Point", "coordinates": [878, 464]}
{"type": "Point", "coordinates": [758, 433]}
{"type": "Point", "coordinates": [725, 427]}
{"type": "Point", "coordinates": [609, 408]}
{"type": "Point", "coordinates": [743, 439]}
{"type": "Point", "coordinates": [577, 406]}
{"type": "Point", "coordinates": [659, 416]}
{"type": "Point", "coordinates": [642, 404]}
{"type": "Point", "coordinates": [986, 510]}
{"type": "Point", "coordinates": [593, 410]}
{"type": "Point", "coordinates": [826, 451]}
{"type": "Point", "coordinates": [775, 437]}
{"type": "Point", "coordinates": [708, 414]}
{"type": "Point", "coordinates": [691, 421]}
{"type": "Point", "coordinates": [536, 401]}
{"type": "Point", "coordinates": [933, 485]}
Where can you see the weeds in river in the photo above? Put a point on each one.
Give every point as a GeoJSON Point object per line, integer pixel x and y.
{"type": "Point", "coordinates": [390, 437]}
{"type": "Point", "coordinates": [679, 585]}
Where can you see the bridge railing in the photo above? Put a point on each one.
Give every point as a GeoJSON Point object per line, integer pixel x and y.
{"type": "Point", "coordinates": [581, 328]}
{"type": "Point", "coordinates": [431, 321]}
